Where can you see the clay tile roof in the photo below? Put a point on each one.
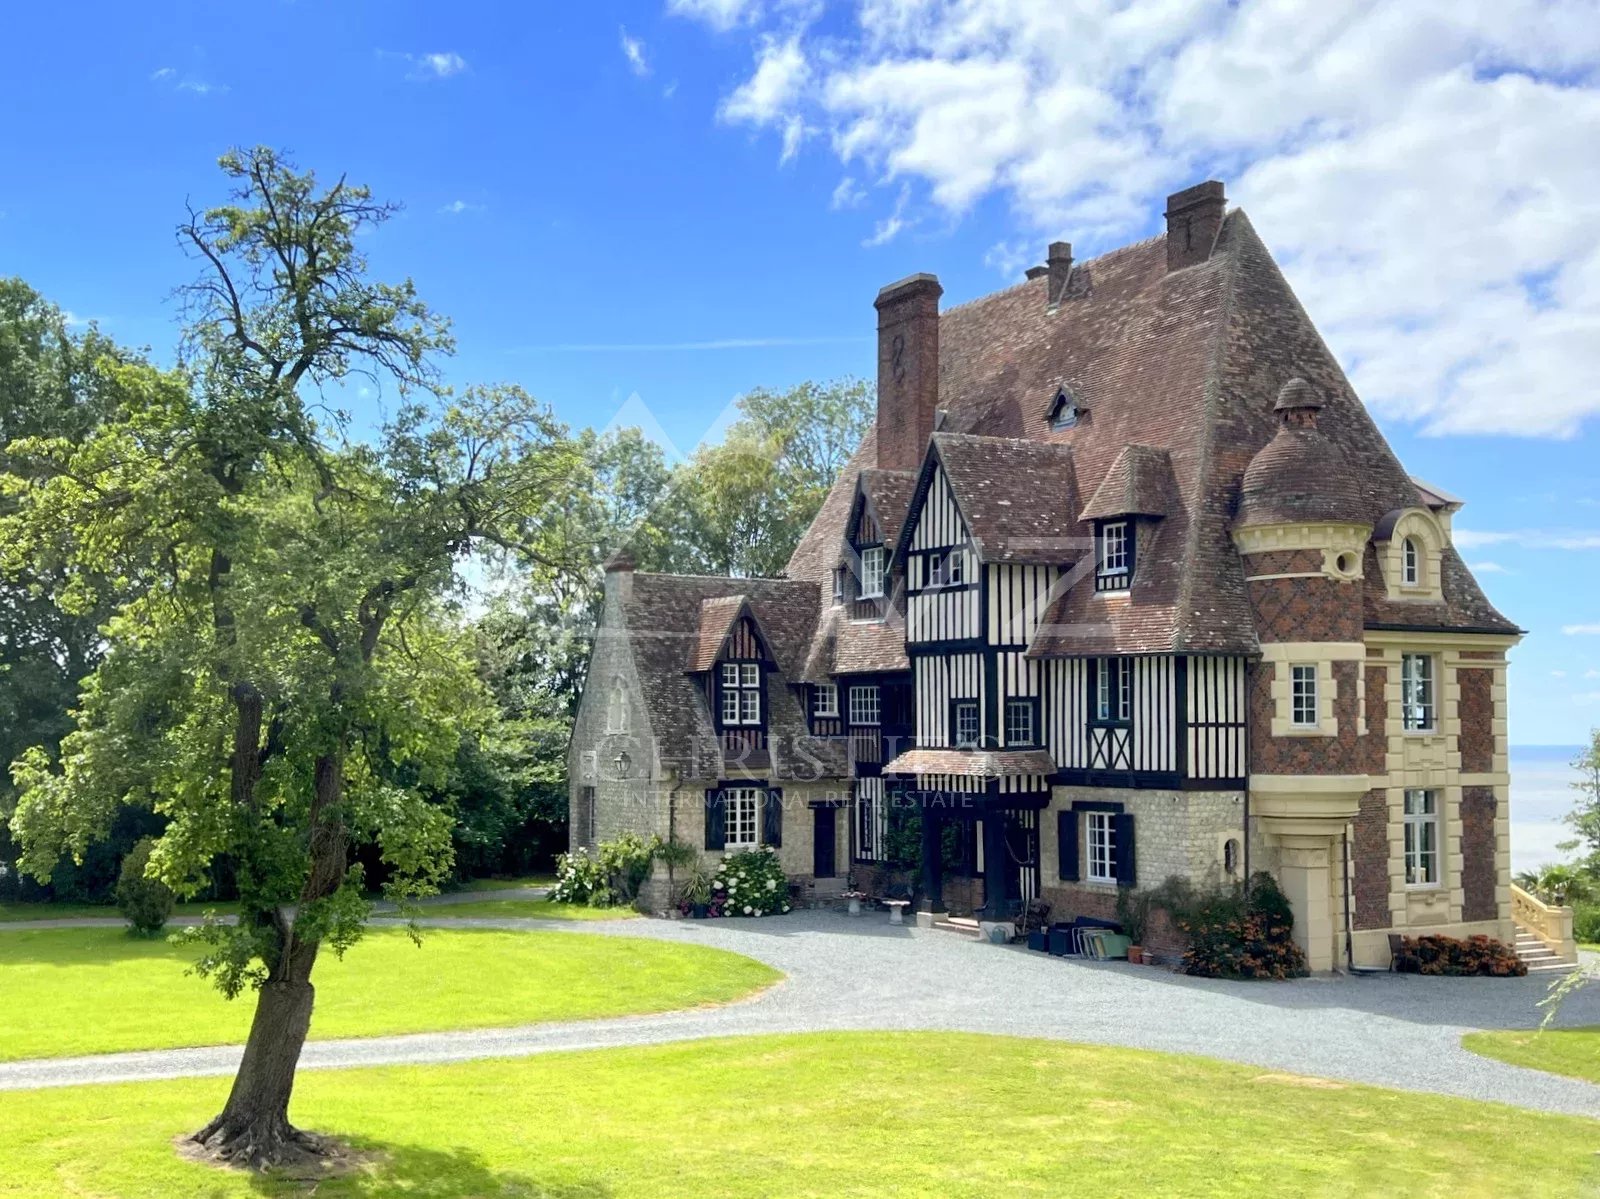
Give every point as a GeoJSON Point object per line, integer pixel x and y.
{"type": "Point", "coordinates": [1017, 497]}
{"type": "Point", "coordinates": [889, 492]}
{"type": "Point", "coordinates": [1300, 476]}
{"type": "Point", "coordinates": [717, 614]}
{"type": "Point", "coordinates": [1139, 483]}
{"type": "Point", "coordinates": [973, 763]}
{"type": "Point", "coordinates": [1297, 394]}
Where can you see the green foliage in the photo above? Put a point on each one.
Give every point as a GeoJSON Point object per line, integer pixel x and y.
{"type": "Point", "coordinates": [1560, 885]}
{"type": "Point", "coordinates": [1585, 815]}
{"type": "Point", "coordinates": [1133, 912]}
{"type": "Point", "coordinates": [581, 879]}
{"type": "Point", "coordinates": [146, 902]}
{"type": "Point", "coordinates": [1477, 955]}
{"type": "Point", "coordinates": [750, 882]}
{"type": "Point", "coordinates": [1586, 923]}
{"type": "Point", "coordinates": [697, 885]}
{"type": "Point", "coordinates": [1237, 931]}
{"type": "Point", "coordinates": [611, 878]}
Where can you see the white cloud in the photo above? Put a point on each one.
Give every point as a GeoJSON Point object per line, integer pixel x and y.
{"type": "Point", "coordinates": [457, 207]}
{"type": "Point", "coordinates": [1587, 697]}
{"type": "Point", "coordinates": [1581, 630]}
{"type": "Point", "coordinates": [1414, 167]}
{"type": "Point", "coordinates": [889, 228]}
{"type": "Point", "coordinates": [423, 68]}
{"type": "Point", "coordinates": [849, 194]}
{"type": "Point", "coordinates": [170, 77]}
{"type": "Point", "coordinates": [1528, 539]}
{"type": "Point", "coordinates": [1558, 674]}
{"type": "Point", "coordinates": [1591, 674]}
{"type": "Point", "coordinates": [633, 51]}
{"type": "Point", "coordinates": [1487, 568]}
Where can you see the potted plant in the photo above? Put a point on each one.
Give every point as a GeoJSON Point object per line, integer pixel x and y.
{"type": "Point", "coordinates": [697, 890]}
{"type": "Point", "coordinates": [1133, 913]}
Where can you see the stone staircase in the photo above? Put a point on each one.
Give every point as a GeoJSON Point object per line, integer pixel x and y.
{"type": "Point", "coordinates": [961, 926]}
{"type": "Point", "coordinates": [1538, 957]}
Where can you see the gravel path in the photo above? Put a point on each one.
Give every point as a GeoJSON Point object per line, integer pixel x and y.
{"type": "Point", "coordinates": [843, 973]}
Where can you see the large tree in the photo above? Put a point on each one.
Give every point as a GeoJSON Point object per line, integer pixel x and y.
{"type": "Point", "coordinates": [289, 683]}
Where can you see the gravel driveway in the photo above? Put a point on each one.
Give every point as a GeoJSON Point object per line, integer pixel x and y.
{"type": "Point", "coordinates": [862, 973]}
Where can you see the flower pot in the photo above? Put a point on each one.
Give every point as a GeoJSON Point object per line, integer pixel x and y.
{"type": "Point", "coordinates": [855, 906]}
{"type": "Point", "coordinates": [1136, 954]}
{"type": "Point", "coordinates": [699, 911]}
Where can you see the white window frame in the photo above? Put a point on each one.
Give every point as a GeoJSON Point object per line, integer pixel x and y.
{"type": "Point", "coordinates": [838, 585]}
{"type": "Point", "coordinates": [1025, 706]}
{"type": "Point", "coordinates": [872, 571]}
{"type": "Point", "coordinates": [866, 705]}
{"type": "Point", "coordinates": [1105, 699]}
{"type": "Point", "coordinates": [1100, 847]}
{"type": "Point", "coordinates": [1304, 701]}
{"type": "Point", "coordinates": [1114, 550]}
{"type": "Point", "coordinates": [825, 700]}
{"type": "Point", "coordinates": [741, 816]}
{"type": "Point", "coordinates": [1410, 563]}
{"type": "Point", "coordinates": [617, 708]}
{"type": "Point", "coordinates": [741, 693]}
{"type": "Point", "coordinates": [1419, 693]}
{"type": "Point", "coordinates": [946, 568]}
{"type": "Point", "coordinates": [957, 736]}
{"type": "Point", "coordinates": [1424, 865]}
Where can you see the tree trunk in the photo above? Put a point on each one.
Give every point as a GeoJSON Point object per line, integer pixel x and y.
{"type": "Point", "coordinates": [253, 1129]}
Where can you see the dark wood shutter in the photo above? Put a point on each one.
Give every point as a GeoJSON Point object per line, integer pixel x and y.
{"type": "Point", "coordinates": [716, 819]}
{"type": "Point", "coordinates": [1122, 831]}
{"type": "Point", "coordinates": [1067, 846]}
{"type": "Point", "coordinates": [772, 819]}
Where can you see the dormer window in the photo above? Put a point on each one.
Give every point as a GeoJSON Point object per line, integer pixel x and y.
{"type": "Point", "coordinates": [838, 585]}
{"type": "Point", "coordinates": [1410, 563]}
{"type": "Point", "coordinates": [1065, 411]}
{"type": "Point", "coordinates": [1114, 556]}
{"type": "Point", "coordinates": [872, 572]}
{"type": "Point", "coordinates": [741, 693]}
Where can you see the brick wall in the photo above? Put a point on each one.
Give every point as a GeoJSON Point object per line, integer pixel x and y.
{"type": "Point", "coordinates": [1369, 852]}
{"type": "Point", "coordinates": [1478, 879]}
{"type": "Point", "coordinates": [1339, 753]}
{"type": "Point", "coordinates": [1476, 737]}
{"type": "Point", "coordinates": [1320, 609]}
{"type": "Point", "coordinates": [1376, 749]}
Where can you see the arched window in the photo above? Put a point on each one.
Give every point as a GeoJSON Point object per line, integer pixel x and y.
{"type": "Point", "coordinates": [1410, 563]}
{"type": "Point", "coordinates": [617, 710]}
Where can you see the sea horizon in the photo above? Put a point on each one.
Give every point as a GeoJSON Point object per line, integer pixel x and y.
{"type": "Point", "coordinates": [1541, 796]}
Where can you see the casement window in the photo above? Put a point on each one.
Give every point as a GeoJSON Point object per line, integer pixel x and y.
{"type": "Point", "coordinates": [1303, 696]}
{"type": "Point", "coordinates": [838, 585]}
{"type": "Point", "coordinates": [1100, 857]}
{"type": "Point", "coordinates": [947, 568]}
{"type": "Point", "coordinates": [1114, 556]}
{"type": "Point", "coordinates": [1113, 692]}
{"type": "Point", "coordinates": [864, 704]}
{"type": "Point", "coordinates": [1418, 704]}
{"type": "Point", "coordinates": [584, 834]}
{"type": "Point", "coordinates": [1020, 722]}
{"type": "Point", "coordinates": [743, 828]}
{"type": "Point", "coordinates": [1422, 838]}
{"type": "Point", "coordinates": [872, 572]}
{"type": "Point", "coordinates": [1410, 563]}
{"type": "Point", "coordinates": [965, 730]}
{"type": "Point", "coordinates": [741, 693]}
{"type": "Point", "coordinates": [825, 700]}
{"type": "Point", "coordinates": [617, 707]}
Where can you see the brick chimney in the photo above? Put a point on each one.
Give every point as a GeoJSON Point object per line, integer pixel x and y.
{"type": "Point", "coordinates": [1194, 218]}
{"type": "Point", "coordinates": [908, 369]}
{"type": "Point", "coordinates": [1059, 265]}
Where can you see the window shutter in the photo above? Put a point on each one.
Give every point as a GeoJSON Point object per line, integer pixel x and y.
{"type": "Point", "coordinates": [1067, 846]}
{"type": "Point", "coordinates": [716, 819]}
{"type": "Point", "coordinates": [1122, 831]}
{"type": "Point", "coordinates": [772, 819]}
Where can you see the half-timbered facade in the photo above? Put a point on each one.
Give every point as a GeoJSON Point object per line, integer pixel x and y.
{"type": "Point", "coordinates": [1124, 584]}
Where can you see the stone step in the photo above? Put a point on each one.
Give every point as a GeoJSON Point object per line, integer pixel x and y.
{"type": "Point", "coordinates": [1554, 966]}
{"type": "Point", "coordinates": [961, 926]}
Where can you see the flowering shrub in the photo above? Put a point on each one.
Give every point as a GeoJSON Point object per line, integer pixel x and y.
{"type": "Point", "coordinates": [580, 879]}
{"type": "Point", "coordinates": [1451, 955]}
{"type": "Point", "coordinates": [750, 883]}
{"type": "Point", "coordinates": [612, 877]}
{"type": "Point", "coordinates": [1235, 932]}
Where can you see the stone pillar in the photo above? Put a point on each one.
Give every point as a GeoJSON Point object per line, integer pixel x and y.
{"type": "Point", "coordinates": [932, 898]}
{"type": "Point", "coordinates": [1306, 873]}
{"type": "Point", "coordinates": [995, 862]}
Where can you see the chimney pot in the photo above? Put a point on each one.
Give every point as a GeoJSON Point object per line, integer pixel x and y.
{"type": "Point", "coordinates": [908, 369]}
{"type": "Point", "coordinates": [1060, 268]}
{"type": "Point", "coordinates": [1194, 218]}
{"type": "Point", "coordinates": [1034, 272]}
{"type": "Point", "coordinates": [621, 562]}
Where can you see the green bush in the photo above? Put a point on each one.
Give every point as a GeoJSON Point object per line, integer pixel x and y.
{"type": "Point", "coordinates": [580, 879]}
{"type": "Point", "coordinates": [1242, 931]}
{"type": "Point", "coordinates": [750, 883]}
{"type": "Point", "coordinates": [146, 902]}
{"type": "Point", "coordinates": [1586, 922]}
{"type": "Point", "coordinates": [609, 879]}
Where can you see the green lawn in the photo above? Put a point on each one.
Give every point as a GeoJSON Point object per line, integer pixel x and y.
{"type": "Point", "coordinates": [506, 884]}
{"type": "Point", "coordinates": [542, 909]}
{"type": "Point", "coordinates": [843, 1114]}
{"type": "Point", "coordinates": [1571, 1051]}
{"type": "Point", "coordinates": [11, 913]}
{"type": "Point", "coordinates": [97, 990]}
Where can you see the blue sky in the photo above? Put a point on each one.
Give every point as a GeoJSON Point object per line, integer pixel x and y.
{"type": "Point", "coordinates": [648, 208]}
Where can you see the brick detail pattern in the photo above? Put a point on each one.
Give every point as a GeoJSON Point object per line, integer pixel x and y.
{"type": "Point", "coordinates": [1338, 754]}
{"type": "Point", "coordinates": [1478, 806]}
{"type": "Point", "coordinates": [1283, 562]}
{"type": "Point", "coordinates": [1369, 852]}
{"type": "Point", "coordinates": [1305, 609]}
{"type": "Point", "coordinates": [1376, 748]}
{"type": "Point", "coordinates": [1477, 720]}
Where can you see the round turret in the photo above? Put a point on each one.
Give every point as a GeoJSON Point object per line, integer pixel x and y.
{"type": "Point", "coordinates": [1299, 477]}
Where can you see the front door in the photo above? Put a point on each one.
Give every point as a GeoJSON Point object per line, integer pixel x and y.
{"type": "Point", "coordinates": [824, 842]}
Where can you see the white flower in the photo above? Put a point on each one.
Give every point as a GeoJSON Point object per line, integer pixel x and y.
{"type": "Point", "coordinates": [771, 883]}
{"type": "Point", "coordinates": [746, 909]}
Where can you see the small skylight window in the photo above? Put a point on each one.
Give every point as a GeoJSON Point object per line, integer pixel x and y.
{"type": "Point", "coordinates": [1064, 410]}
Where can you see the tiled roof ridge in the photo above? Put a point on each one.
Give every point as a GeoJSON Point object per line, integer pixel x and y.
{"type": "Point", "coordinates": [1099, 259]}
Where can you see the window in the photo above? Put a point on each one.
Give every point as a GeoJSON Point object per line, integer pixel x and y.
{"type": "Point", "coordinates": [872, 573]}
{"type": "Point", "coordinates": [825, 701]}
{"type": "Point", "coordinates": [838, 585]}
{"type": "Point", "coordinates": [741, 693]}
{"type": "Point", "coordinates": [1115, 549]}
{"type": "Point", "coordinates": [1019, 722]}
{"type": "Point", "coordinates": [1410, 563]}
{"type": "Point", "coordinates": [1417, 692]}
{"type": "Point", "coordinates": [946, 568]}
{"type": "Point", "coordinates": [1064, 410]}
{"type": "Point", "coordinates": [1113, 701]}
{"type": "Point", "coordinates": [617, 709]}
{"type": "Point", "coordinates": [743, 830]}
{"type": "Point", "coordinates": [964, 724]}
{"type": "Point", "coordinates": [1303, 696]}
{"type": "Point", "coordinates": [1102, 847]}
{"type": "Point", "coordinates": [1422, 838]}
{"type": "Point", "coordinates": [864, 705]}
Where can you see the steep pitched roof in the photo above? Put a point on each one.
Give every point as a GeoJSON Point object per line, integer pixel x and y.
{"type": "Point", "coordinates": [889, 494]}
{"type": "Point", "coordinates": [1015, 496]}
{"type": "Point", "coordinates": [1139, 483]}
{"type": "Point", "coordinates": [717, 614]}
